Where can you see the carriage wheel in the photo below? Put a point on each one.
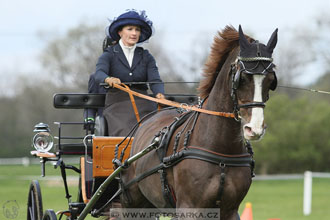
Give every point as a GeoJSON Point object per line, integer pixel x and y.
{"type": "Point", "coordinates": [49, 215]}
{"type": "Point", "coordinates": [34, 209]}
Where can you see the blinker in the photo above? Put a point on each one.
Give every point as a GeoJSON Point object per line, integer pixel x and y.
{"type": "Point", "coordinates": [273, 85]}
{"type": "Point", "coordinates": [265, 71]}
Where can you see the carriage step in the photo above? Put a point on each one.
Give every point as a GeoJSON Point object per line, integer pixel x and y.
{"type": "Point", "coordinates": [75, 207]}
{"type": "Point", "coordinates": [66, 213]}
{"type": "Point", "coordinates": [42, 154]}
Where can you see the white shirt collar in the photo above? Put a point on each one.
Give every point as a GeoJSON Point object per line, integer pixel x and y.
{"type": "Point", "coordinates": [128, 51]}
{"type": "Point", "coordinates": [126, 47]}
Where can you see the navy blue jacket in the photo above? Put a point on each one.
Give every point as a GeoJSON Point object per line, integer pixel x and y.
{"type": "Point", "coordinates": [113, 63]}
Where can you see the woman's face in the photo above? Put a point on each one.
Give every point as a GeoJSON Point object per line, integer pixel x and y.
{"type": "Point", "coordinates": [130, 35]}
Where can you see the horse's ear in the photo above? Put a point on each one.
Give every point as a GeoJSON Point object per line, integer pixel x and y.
{"type": "Point", "coordinates": [243, 42]}
{"type": "Point", "coordinates": [272, 41]}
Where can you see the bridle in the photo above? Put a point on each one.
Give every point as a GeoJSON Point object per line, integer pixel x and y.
{"type": "Point", "coordinates": [238, 67]}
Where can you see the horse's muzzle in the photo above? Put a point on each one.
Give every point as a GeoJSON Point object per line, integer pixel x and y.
{"type": "Point", "coordinates": [253, 134]}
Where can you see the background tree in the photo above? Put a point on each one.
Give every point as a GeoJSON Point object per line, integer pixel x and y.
{"type": "Point", "coordinates": [296, 138]}
{"type": "Point", "coordinates": [71, 58]}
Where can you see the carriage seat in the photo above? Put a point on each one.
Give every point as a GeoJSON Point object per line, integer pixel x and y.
{"type": "Point", "coordinates": [79, 100]}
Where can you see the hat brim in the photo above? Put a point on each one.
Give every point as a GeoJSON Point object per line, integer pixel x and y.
{"type": "Point", "coordinates": [146, 30]}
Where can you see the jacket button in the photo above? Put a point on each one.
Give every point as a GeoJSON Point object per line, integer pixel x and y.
{"type": "Point", "coordinates": [130, 74]}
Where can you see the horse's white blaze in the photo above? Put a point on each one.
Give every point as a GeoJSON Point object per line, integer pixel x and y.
{"type": "Point", "coordinates": [257, 116]}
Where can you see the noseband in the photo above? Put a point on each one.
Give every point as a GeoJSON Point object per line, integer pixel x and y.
{"type": "Point", "coordinates": [237, 68]}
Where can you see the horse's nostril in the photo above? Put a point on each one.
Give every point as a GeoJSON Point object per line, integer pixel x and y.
{"type": "Point", "coordinates": [248, 129]}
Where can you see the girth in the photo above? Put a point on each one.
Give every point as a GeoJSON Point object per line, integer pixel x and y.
{"type": "Point", "coordinates": [240, 160]}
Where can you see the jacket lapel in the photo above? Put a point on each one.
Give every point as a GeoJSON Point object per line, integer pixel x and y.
{"type": "Point", "coordinates": [120, 53]}
{"type": "Point", "coordinates": [137, 57]}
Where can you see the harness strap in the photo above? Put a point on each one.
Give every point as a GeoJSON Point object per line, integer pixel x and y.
{"type": "Point", "coordinates": [187, 136]}
{"type": "Point", "coordinates": [131, 134]}
{"type": "Point", "coordinates": [252, 105]}
{"type": "Point", "coordinates": [168, 193]}
{"type": "Point", "coordinates": [220, 154]}
{"type": "Point", "coordinates": [255, 59]}
{"type": "Point", "coordinates": [168, 133]}
{"type": "Point", "coordinates": [175, 104]}
{"type": "Point", "coordinates": [178, 135]}
{"type": "Point", "coordinates": [136, 112]}
{"type": "Point", "coordinates": [208, 157]}
{"type": "Point", "coordinates": [143, 175]}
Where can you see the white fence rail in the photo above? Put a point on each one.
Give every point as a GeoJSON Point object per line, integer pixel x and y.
{"type": "Point", "coordinates": [26, 161]}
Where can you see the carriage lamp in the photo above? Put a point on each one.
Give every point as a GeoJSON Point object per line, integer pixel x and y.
{"type": "Point", "coordinates": [42, 141]}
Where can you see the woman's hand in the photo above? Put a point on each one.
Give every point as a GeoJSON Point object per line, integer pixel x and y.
{"type": "Point", "coordinates": [160, 96]}
{"type": "Point", "coordinates": [112, 80]}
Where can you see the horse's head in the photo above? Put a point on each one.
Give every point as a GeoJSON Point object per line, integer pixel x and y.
{"type": "Point", "coordinates": [252, 78]}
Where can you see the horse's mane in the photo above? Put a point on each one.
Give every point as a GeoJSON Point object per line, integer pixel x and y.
{"type": "Point", "coordinates": [224, 42]}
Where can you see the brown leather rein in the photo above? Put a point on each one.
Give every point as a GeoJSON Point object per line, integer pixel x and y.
{"type": "Point", "coordinates": [132, 93]}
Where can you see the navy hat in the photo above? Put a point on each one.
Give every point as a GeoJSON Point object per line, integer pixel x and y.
{"type": "Point", "coordinates": [132, 17]}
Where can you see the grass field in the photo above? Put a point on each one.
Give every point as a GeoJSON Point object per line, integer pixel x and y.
{"type": "Point", "coordinates": [282, 199]}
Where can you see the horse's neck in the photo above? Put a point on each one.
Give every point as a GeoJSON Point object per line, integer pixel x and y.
{"type": "Point", "coordinates": [219, 133]}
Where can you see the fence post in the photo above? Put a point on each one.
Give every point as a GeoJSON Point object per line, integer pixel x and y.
{"type": "Point", "coordinates": [25, 161]}
{"type": "Point", "coordinates": [307, 192]}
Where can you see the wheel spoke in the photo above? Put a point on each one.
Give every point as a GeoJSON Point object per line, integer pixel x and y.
{"type": "Point", "coordinates": [33, 205]}
{"type": "Point", "coordinates": [49, 215]}
{"type": "Point", "coordinates": [31, 213]}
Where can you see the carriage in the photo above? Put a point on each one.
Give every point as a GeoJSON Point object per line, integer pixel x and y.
{"type": "Point", "coordinates": [95, 150]}
{"type": "Point", "coordinates": [194, 156]}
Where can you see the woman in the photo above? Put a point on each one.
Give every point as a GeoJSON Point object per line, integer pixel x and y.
{"type": "Point", "coordinates": [125, 62]}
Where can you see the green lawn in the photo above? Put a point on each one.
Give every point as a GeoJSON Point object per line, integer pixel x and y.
{"type": "Point", "coordinates": [15, 182]}
{"type": "Point", "coordinates": [270, 199]}
{"type": "Point", "coordinates": [283, 199]}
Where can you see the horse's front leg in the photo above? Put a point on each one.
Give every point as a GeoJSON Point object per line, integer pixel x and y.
{"type": "Point", "coordinates": [237, 184]}
{"type": "Point", "coordinates": [205, 213]}
{"type": "Point", "coordinates": [231, 215]}
{"type": "Point", "coordinates": [196, 186]}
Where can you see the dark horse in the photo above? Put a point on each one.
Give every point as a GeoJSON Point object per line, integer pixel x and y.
{"type": "Point", "coordinates": [238, 76]}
